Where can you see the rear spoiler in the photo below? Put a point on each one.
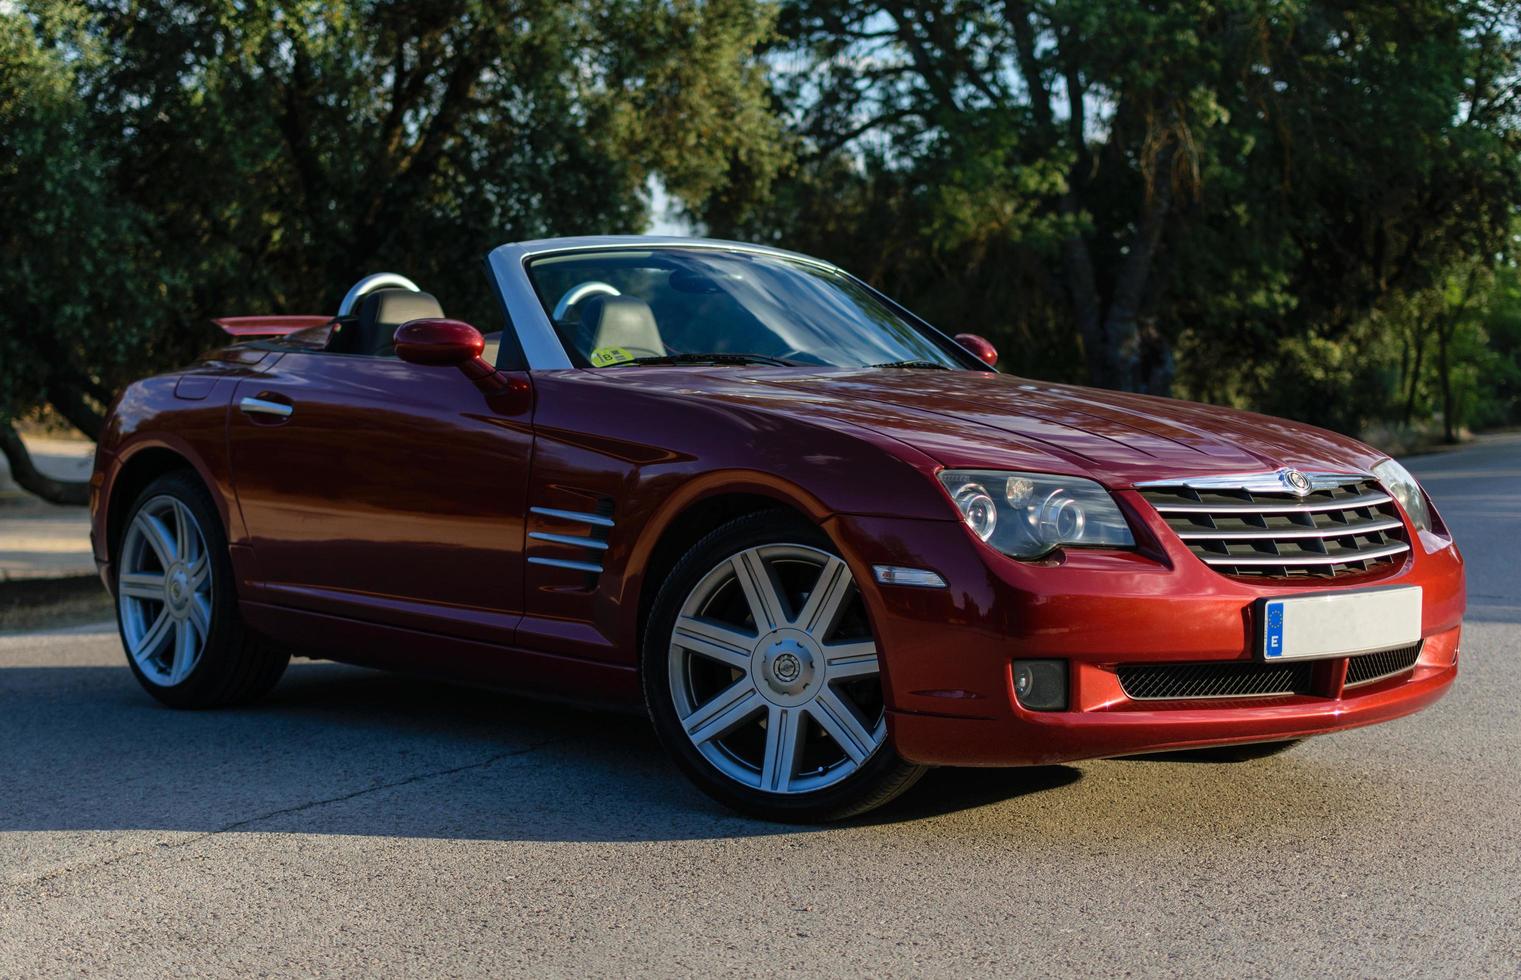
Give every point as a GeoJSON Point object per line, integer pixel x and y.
{"type": "Point", "coordinates": [251, 327]}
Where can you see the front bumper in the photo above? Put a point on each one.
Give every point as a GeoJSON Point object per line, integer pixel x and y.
{"type": "Point", "coordinates": [947, 653]}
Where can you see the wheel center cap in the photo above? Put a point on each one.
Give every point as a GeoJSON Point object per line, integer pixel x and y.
{"type": "Point", "coordinates": [787, 666]}
{"type": "Point", "coordinates": [177, 590]}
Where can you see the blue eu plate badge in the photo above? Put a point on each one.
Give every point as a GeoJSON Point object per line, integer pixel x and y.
{"type": "Point", "coordinates": [1272, 635]}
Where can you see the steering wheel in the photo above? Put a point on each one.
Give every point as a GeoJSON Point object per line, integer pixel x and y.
{"type": "Point", "coordinates": [577, 293]}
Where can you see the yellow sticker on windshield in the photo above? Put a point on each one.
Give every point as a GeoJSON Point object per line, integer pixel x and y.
{"type": "Point", "coordinates": [603, 356]}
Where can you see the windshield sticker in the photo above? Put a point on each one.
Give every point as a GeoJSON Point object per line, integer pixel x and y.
{"type": "Point", "coordinates": [603, 356]}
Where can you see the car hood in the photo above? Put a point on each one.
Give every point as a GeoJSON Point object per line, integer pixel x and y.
{"type": "Point", "coordinates": [983, 419]}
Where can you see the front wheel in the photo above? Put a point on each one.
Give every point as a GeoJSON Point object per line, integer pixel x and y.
{"type": "Point", "coordinates": [176, 605]}
{"type": "Point", "coordinates": [763, 677]}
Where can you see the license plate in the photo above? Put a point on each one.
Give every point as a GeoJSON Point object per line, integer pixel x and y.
{"type": "Point", "coordinates": [1338, 624]}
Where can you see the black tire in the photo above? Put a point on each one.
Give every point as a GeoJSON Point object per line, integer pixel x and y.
{"type": "Point", "coordinates": [881, 777]}
{"type": "Point", "coordinates": [235, 665]}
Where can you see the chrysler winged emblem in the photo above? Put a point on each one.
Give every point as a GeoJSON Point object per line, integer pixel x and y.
{"type": "Point", "coordinates": [1295, 482]}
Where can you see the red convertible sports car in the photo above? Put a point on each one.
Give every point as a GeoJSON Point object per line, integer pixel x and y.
{"type": "Point", "coordinates": [824, 545]}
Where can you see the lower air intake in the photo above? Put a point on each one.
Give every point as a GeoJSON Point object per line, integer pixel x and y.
{"type": "Point", "coordinates": [1236, 679]}
{"type": "Point", "coordinates": [1370, 667]}
{"type": "Point", "coordinates": [1168, 682]}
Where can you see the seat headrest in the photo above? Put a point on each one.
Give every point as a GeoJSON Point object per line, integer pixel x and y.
{"type": "Point", "coordinates": [372, 332]}
{"type": "Point", "coordinates": [622, 321]}
{"type": "Point", "coordinates": [396, 306]}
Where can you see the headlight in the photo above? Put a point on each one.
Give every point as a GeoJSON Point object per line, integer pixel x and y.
{"type": "Point", "coordinates": [1402, 487]}
{"type": "Point", "coordinates": [1026, 515]}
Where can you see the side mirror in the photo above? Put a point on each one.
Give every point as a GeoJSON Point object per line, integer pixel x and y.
{"type": "Point", "coordinates": [438, 342]}
{"type": "Point", "coordinates": [980, 348]}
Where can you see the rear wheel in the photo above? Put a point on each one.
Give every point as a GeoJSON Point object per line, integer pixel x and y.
{"type": "Point", "coordinates": [176, 606]}
{"type": "Point", "coordinates": [763, 677]}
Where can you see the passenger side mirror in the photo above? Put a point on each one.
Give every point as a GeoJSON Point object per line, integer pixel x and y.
{"type": "Point", "coordinates": [980, 348]}
{"type": "Point", "coordinates": [438, 342]}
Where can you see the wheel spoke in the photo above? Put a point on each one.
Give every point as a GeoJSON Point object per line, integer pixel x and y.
{"type": "Point", "coordinates": [703, 636]}
{"type": "Point", "coordinates": [141, 585]}
{"type": "Point", "coordinates": [824, 603]}
{"type": "Point", "coordinates": [159, 538]}
{"type": "Point", "coordinates": [784, 737]}
{"type": "Point", "coordinates": [148, 643]}
{"type": "Point", "coordinates": [848, 661]}
{"type": "Point", "coordinates": [724, 713]}
{"type": "Point", "coordinates": [840, 721]}
{"type": "Point", "coordinates": [761, 593]}
{"type": "Point", "coordinates": [182, 533]}
{"type": "Point", "coordinates": [200, 569]}
{"type": "Point", "coordinates": [200, 615]}
{"type": "Point", "coordinates": [185, 646]}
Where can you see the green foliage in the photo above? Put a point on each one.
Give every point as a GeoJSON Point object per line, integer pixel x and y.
{"type": "Point", "coordinates": [1303, 206]}
{"type": "Point", "coordinates": [69, 245]}
{"type": "Point", "coordinates": [172, 160]}
{"type": "Point", "coordinates": [1237, 199]}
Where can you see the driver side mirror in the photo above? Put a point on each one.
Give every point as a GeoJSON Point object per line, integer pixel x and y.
{"type": "Point", "coordinates": [438, 342]}
{"type": "Point", "coordinates": [980, 348]}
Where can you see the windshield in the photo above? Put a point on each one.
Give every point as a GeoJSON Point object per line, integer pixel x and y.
{"type": "Point", "coordinates": [624, 306]}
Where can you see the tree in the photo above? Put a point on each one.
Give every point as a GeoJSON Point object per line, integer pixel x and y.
{"type": "Point", "coordinates": [1106, 184]}
{"type": "Point", "coordinates": [66, 252]}
{"type": "Point", "coordinates": [171, 160]}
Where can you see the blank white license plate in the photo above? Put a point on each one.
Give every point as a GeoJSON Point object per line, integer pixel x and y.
{"type": "Point", "coordinates": [1339, 624]}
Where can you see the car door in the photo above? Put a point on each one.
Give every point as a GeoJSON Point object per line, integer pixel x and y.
{"type": "Point", "coordinates": [380, 490]}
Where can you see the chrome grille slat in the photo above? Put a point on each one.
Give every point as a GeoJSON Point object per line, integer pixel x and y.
{"type": "Point", "coordinates": [1335, 558]}
{"type": "Point", "coordinates": [1366, 500]}
{"type": "Point", "coordinates": [1337, 531]}
{"type": "Point", "coordinates": [1240, 526]}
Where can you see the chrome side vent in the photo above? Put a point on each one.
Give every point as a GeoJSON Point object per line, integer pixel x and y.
{"type": "Point", "coordinates": [592, 543]}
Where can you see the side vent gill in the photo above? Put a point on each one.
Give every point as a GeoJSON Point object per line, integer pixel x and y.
{"type": "Point", "coordinates": [585, 535]}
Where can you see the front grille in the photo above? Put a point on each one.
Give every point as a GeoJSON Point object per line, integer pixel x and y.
{"type": "Point", "coordinates": [1253, 527]}
{"type": "Point", "coordinates": [1370, 667]}
{"type": "Point", "coordinates": [1159, 682]}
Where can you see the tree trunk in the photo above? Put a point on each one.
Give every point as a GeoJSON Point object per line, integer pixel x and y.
{"type": "Point", "coordinates": [1415, 375]}
{"type": "Point", "coordinates": [70, 403]}
{"type": "Point", "coordinates": [1139, 359]}
{"type": "Point", "coordinates": [30, 479]}
{"type": "Point", "coordinates": [1082, 290]}
{"type": "Point", "coordinates": [1449, 429]}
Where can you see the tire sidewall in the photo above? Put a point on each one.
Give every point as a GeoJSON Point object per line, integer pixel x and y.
{"type": "Point", "coordinates": [830, 802]}
{"type": "Point", "coordinates": [210, 673]}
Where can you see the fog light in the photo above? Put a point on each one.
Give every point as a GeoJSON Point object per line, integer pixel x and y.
{"type": "Point", "coordinates": [1041, 685]}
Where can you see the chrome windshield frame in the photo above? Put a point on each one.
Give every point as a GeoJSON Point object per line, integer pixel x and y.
{"type": "Point", "coordinates": [540, 342]}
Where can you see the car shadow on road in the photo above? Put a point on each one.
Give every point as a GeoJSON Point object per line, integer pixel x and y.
{"type": "Point", "coordinates": [341, 750]}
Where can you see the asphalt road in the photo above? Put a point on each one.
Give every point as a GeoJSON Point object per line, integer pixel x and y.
{"type": "Point", "coordinates": [358, 823]}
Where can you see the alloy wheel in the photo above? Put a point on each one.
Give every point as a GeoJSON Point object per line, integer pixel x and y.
{"type": "Point", "coordinates": [164, 590]}
{"type": "Point", "coordinates": [774, 672]}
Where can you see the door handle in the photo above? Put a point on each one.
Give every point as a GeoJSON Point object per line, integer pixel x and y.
{"type": "Point", "coordinates": [260, 406]}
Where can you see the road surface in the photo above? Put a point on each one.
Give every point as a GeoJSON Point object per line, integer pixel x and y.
{"type": "Point", "coordinates": [358, 823]}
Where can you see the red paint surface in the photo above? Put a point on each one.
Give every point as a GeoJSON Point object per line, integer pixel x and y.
{"type": "Point", "coordinates": [437, 341]}
{"type": "Point", "coordinates": [980, 346]}
{"type": "Point", "coordinates": [387, 520]}
{"type": "Point", "coordinates": [244, 327]}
